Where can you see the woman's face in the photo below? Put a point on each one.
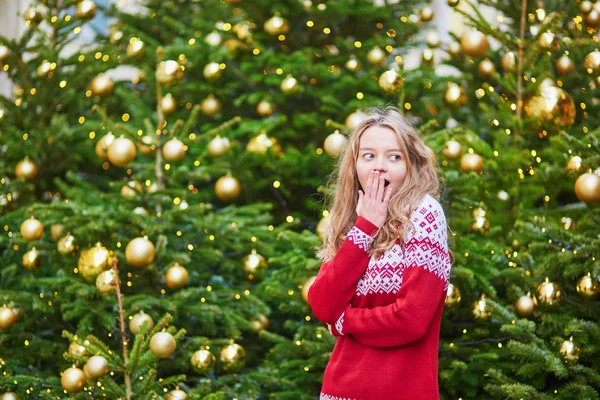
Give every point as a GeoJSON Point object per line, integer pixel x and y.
{"type": "Point", "coordinates": [379, 150]}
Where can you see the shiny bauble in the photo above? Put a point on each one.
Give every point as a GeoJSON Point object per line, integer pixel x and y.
{"type": "Point", "coordinates": [67, 245]}
{"type": "Point", "coordinates": [242, 29]}
{"type": "Point", "coordinates": [454, 49]}
{"type": "Point", "coordinates": [553, 105]}
{"type": "Point", "coordinates": [549, 41]}
{"type": "Point", "coordinates": [524, 306]}
{"type": "Point", "coordinates": [103, 144]}
{"type": "Point", "coordinates": [587, 188]}
{"type": "Point", "coordinates": [85, 10]}
{"type": "Point", "coordinates": [212, 71]}
{"type": "Point", "coordinates": [276, 25]}
{"type": "Point", "coordinates": [335, 143]}
{"type": "Point", "coordinates": [73, 380]}
{"type": "Point", "coordinates": [432, 39]}
{"type": "Point", "coordinates": [32, 229]}
{"type": "Point", "coordinates": [426, 14]}
{"type": "Point", "coordinates": [455, 95]}
{"type": "Point", "coordinates": [509, 61]}
{"type": "Point", "coordinates": [102, 85]}
{"type": "Point", "coordinates": [176, 394]}
{"type": "Point", "coordinates": [548, 294]}
{"type": "Point", "coordinates": [7, 317]}
{"type": "Point", "coordinates": [482, 309]}
{"type": "Point", "coordinates": [289, 85]}
{"type": "Point", "coordinates": [569, 350]}
{"type": "Point", "coordinates": [592, 19]}
{"type": "Point", "coordinates": [354, 119]}
{"type": "Point", "coordinates": [93, 261]}
{"type": "Point", "coordinates": [567, 224]}
{"type": "Point", "coordinates": [323, 228]}
{"type": "Point", "coordinates": [227, 188]}
{"type": "Point", "coordinates": [471, 162]}
{"type": "Point", "coordinates": [213, 39]}
{"type": "Point", "coordinates": [9, 396]}
{"type": "Point", "coordinates": [121, 152]}
{"type": "Point", "coordinates": [391, 82]}
{"type": "Point", "coordinates": [162, 344]}
{"type": "Point", "coordinates": [132, 189]}
{"type": "Point", "coordinates": [376, 56]}
{"type": "Point", "coordinates": [564, 65]}
{"type": "Point", "coordinates": [474, 43]}
{"type": "Point", "coordinates": [32, 15]}
{"type": "Point", "coordinates": [4, 53]}
{"type": "Point", "coordinates": [453, 3]}
{"type": "Point", "coordinates": [114, 34]}
{"type": "Point", "coordinates": [26, 169]}
{"type": "Point", "coordinates": [203, 361]}
{"type": "Point", "coordinates": [106, 282]}
{"type": "Point", "coordinates": [588, 287]}
{"type": "Point", "coordinates": [353, 64]}
{"type": "Point", "coordinates": [169, 72]}
{"type": "Point", "coordinates": [264, 108]}
{"type": "Point", "coordinates": [136, 324]}
{"type": "Point", "coordinates": [148, 145]}
{"type": "Point", "coordinates": [586, 6]}
{"type": "Point", "coordinates": [235, 47]}
{"type": "Point", "coordinates": [218, 146]}
{"type": "Point", "coordinates": [262, 143]}
{"type": "Point", "coordinates": [168, 104]}
{"type": "Point", "coordinates": [452, 150]}
{"type": "Point", "coordinates": [574, 164]}
{"type": "Point", "coordinates": [305, 288]}
{"type": "Point", "coordinates": [57, 231]}
{"type": "Point", "coordinates": [45, 68]}
{"type": "Point", "coordinates": [591, 63]}
{"type": "Point", "coordinates": [140, 252]}
{"type": "Point", "coordinates": [96, 367]}
{"type": "Point", "coordinates": [480, 224]}
{"type": "Point", "coordinates": [173, 150]}
{"type": "Point", "coordinates": [427, 57]}
{"type": "Point", "coordinates": [211, 106]}
{"type": "Point", "coordinates": [176, 276]}
{"type": "Point", "coordinates": [254, 266]}
{"type": "Point", "coordinates": [233, 357]}
{"type": "Point", "coordinates": [486, 68]}
{"type": "Point", "coordinates": [262, 322]}
{"type": "Point", "coordinates": [452, 295]}
{"type": "Point", "coordinates": [136, 48]}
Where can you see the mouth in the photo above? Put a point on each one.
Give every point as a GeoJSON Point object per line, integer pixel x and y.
{"type": "Point", "coordinates": [387, 183]}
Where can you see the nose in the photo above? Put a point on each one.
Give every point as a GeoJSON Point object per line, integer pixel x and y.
{"type": "Point", "coordinates": [380, 165]}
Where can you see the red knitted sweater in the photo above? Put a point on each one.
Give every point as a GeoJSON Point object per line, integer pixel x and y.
{"type": "Point", "coordinates": [386, 312]}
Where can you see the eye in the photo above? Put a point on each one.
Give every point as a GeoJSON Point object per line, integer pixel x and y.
{"type": "Point", "coordinates": [368, 156]}
{"type": "Point", "coordinates": [396, 157]}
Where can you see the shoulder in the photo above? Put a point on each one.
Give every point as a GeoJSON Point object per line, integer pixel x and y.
{"type": "Point", "coordinates": [428, 218]}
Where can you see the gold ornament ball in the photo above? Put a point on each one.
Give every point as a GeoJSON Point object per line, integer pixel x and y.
{"type": "Point", "coordinates": [213, 39]}
{"type": "Point", "coordinates": [455, 95]}
{"type": "Point", "coordinates": [93, 261]}
{"type": "Point", "coordinates": [524, 306]}
{"type": "Point", "coordinates": [569, 350]}
{"type": "Point", "coordinates": [136, 47]}
{"type": "Point", "coordinates": [289, 85]}
{"type": "Point", "coordinates": [255, 266]}
{"type": "Point", "coordinates": [564, 65]}
{"type": "Point", "coordinates": [567, 224]}
{"type": "Point", "coordinates": [307, 284]}
{"type": "Point", "coordinates": [264, 108]}
{"type": "Point", "coordinates": [176, 276]}
{"type": "Point", "coordinates": [33, 15]}
{"type": "Point", "coordinates": [131, 189]}
{"type": "Point", "coordinates": [46, 68]}
{"type": "Point", "coordinates": [552, 104]}
{"type": "Point", "coordinates": [148, 145]}
{"type": "Point", "coordinates": [162, 344]}
{"type": "Point", "coordinates": [323, 227]}
{"type": "Point", "coordinates": [452, 295]}
{"type": "Point", "coordinates": [85, 10]}
{"type": "Point", "coordinates": [471, 162]}
{"type": "Point", "coordinates": [592, 19]}
{"type": "Point", "coordinates": [26, 169]}
{"type": "Point", "coordinates": [168, 104]}
{"type": "Point", "coordinates": [474, 43]}
{"type": "Point", "coordinates": [211, 106]}
{"type": "Point", "coordinates": [97, 367]}
{"type": "Point", "coordinates": [432, 39]}
{"type": "Point", "coordinates": [549, 41]}
{"type": "Point", "coordinates": [67, 245]}
{"type": "Point", "coordinates": [212, 71]}
{"type": "Point", "coordinates": [114, 34]}
{"type": "Point", "coordinates": [73, 380]}
{"type": "Point", "coordinates": [454, 49]}
{"type": "Point", "coordinates": [176, 394]}
{"type": "Point", "coordinates": [262, 322]}
{"type": "Point", "coordinates": [218, 146]}
{"type": "Point", "coordinates": [548, 294]}
{"type": "Point", "coordinates": [103, 144]}
{"type": "Point", "coordinates": [574, 164]}
{"type": "Point", "coordinates": [482, 309]}
{"type": "Point", "coordinates": [4, 53]}
{"type": "Point", "coordinates": [353, 64]}
{"type": "Point", "coordinates": [588, 287]}
{"type": "Point", "coordinates": [276, 25]}
{"type": "Point", "coordinates": [227, 188]}
{"type": "Point", "coordinates": [426, 14]}
{"type": "Point", "coordinates": [32, 259]}
{"type": "Point", "coordinates": [32, 229]}
{"type": "Point", "coordinates": [486, 68]}
{"type": "Point", "coordinates": [9, 396]}
{"type": "Point", "coordinates": [7, 317]}
{"type": "Point", "coordinates": [335, 143]}
{"type": "Point", "coordinates": [453, 3]}
{"type": "Point", "coordinates": [587, 188]}
{"type": "Point", "coordinates": [262, 143]}
{"type": "Point", "coordinates": [121, 152]}
{"type": "Point", "coordinates": [391, 82]}
{"type": "Point", "coordinates": [140, 252]}
{"type": "Point", "coordinates": [136, 323]}
{"type": "Point", "coordinates": [354, 119]}
{"type": "Point", "coordinates": [106, 282]}
{"type": "Point", "coordinates": [203, 361]}
{"type": "Point", "coordinates": [509, 61]}
{"type": "Point", "coordinates": [57, 231]}
{"type": "Point", "coordinates": [591, 63]}
{"type": "Point", "coordinates": [242, 29]}
{"type": "Point", "coordinates": [174, 150]}
{"type": "Point", "coordinates": [586, 6]}
{"type": "Point", "coordinates": [453, 150]}
{"type": "Point", "coordinates": [169, 72]}
{"type": "Point", "coordinates": [376, 56]}
{"type": "Point", "coordinates": [77, 350]}
{"type": "Point", "coordinates": [233, 357]}
{"type": "Point", "coordinates": [427, 57]}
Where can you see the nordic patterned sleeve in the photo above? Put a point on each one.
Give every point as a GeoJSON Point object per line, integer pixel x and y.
{"type": "Point", "coordinates": [425, 278]}
{"type": "Point", "coordinates": [336, 281]}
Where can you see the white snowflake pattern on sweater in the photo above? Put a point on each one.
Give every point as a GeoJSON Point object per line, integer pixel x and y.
{"type": "Point", "coordinates": [360, 238]}
{"type": "Point", "coordinates": [330, 397]}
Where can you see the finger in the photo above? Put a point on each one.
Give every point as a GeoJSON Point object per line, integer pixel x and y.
{"type": "Point", "coordinates": [380, 189]}
{"type": "Point", "coordinates": [388, 195]}
{"type": "Point", "coordinates": [370, 183]}
{"type": "Point", "coordinates": [374, 185]}
{"type": "Point", "coordinates": [360, 200]}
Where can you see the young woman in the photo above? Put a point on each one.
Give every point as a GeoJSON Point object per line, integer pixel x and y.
{"type": "Point", "coordinates": [383, 282]}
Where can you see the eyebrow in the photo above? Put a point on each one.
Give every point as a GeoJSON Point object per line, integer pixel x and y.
{"type": "Point", "coordinates": [371, 149]}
